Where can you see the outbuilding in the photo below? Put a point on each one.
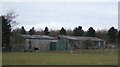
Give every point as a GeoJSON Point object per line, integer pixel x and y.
{"type": "Point", "coordinates": [60, 43]}
{"type": "Point", "coordinates": [38, 42]}
{"type": "Point", "coordinates": [82, 42]}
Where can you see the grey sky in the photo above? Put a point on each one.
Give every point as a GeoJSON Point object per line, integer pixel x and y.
{"type": "Point", "coordinates": [59, 0]}
{"type": "Point", "coordinates": [99, 15]}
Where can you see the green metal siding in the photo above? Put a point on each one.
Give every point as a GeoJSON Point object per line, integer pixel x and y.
{"type": "Point", "coordinates": [53, 46]}
{"type": "Point", "coordinates": [62, 46]}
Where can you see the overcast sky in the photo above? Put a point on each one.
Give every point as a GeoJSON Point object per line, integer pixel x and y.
{"type": "Point", "coordinates": [99, 15]}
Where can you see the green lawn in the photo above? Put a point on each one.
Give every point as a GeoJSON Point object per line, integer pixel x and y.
{"type": "Point", "coordinates": [59, 58]}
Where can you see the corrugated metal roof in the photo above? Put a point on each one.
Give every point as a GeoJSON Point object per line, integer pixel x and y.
{"type": "Point", "coordinates": [68, 37]}
{"type": "Point", "coordinates": [37, 37]}
{"type": "Point", "coordinates": [62, 36]}
{"type": "Point", "coordinates": [90, 38]}
{"type": "Point", "coordinates": [80, 38]}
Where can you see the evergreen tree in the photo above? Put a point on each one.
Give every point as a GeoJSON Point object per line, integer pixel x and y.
{"type": "Point", "coordinates": [32, 31]}
{"type": "Point", "coordinates": [46, 31]}
{"type": "Point", "coordinates": [78, 31]}
{"type": "Point", "coordinates": [119, 36]}
{"type": "Point", "coordinates": [91, 32]}
{"type": "Point", "coordinates": [119, 39]}
{"type": "Point", "coordinates": [23, 31]}
{"type": "Point", "coordinates": [75, 33]}
{"type": "Point", "coordinates": [62, 31]}
{"type": "Point", "coordinates": [8, 23]}
{"type": "Point", "coordinates": [6, 29]}
{"type": "Point", "coordinates": [112, 33]}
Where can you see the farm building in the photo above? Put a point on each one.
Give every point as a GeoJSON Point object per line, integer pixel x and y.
{"type": "Point", "coordinates": [77, 42]}
{"type": "Point", "coordinates": [60, 43]}
{"type": "Point", "coordinates": [39, 42]}
{"type": "Point", "coordinates": [44, 43]}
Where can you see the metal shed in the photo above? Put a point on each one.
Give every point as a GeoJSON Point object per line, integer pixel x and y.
{"type": "Point", "coordinates": [60, 43]}
{"type": "Point", "coordinates": [41, 42]}
{"type": "Point", "coordinates": [82, 42]}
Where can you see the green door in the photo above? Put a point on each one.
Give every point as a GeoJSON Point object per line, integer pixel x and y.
{"type": "Point", "coordinates": [53, 46]}
{"type": "Point", "coordinates": [61, 46]}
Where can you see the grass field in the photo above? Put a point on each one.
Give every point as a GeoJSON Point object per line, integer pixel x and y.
{"type": "Point", "coordinates": [60, 58]}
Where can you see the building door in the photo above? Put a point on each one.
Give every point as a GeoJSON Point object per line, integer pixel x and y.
{"type": "Point", "coordinates": [53, 46]}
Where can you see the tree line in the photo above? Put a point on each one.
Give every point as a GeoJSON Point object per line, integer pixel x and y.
{"type": "Point", "coordinates": [110, 35]}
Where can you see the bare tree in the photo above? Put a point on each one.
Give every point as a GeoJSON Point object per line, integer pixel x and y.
{"type": "Point", "coordinates": [10, 16]}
